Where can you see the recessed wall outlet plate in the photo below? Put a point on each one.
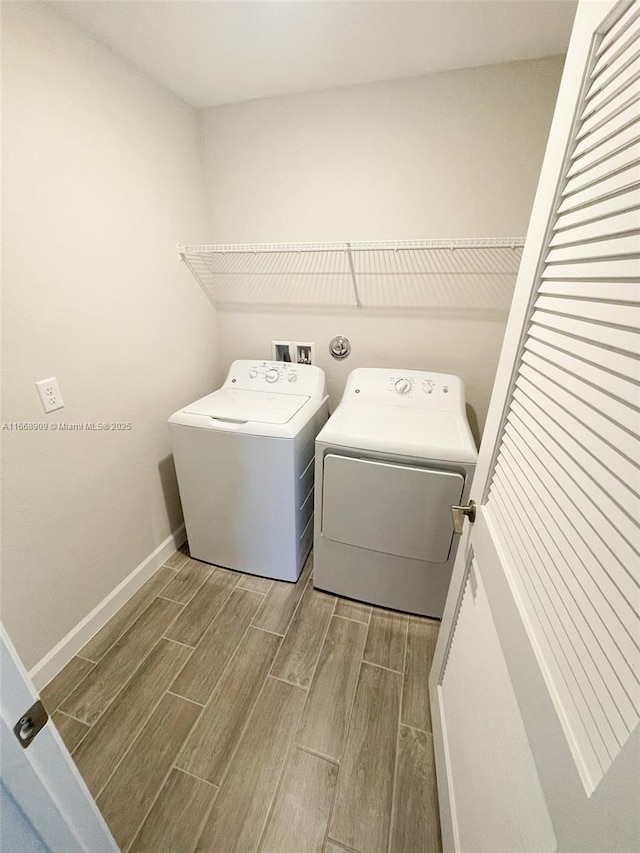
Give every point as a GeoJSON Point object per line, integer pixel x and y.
{"type": "Point", "coordinates": [304, 352]}
{"type": "Point", "coordinates": [282, 351]}
{"type": "Point", "coordinates": [299, 352]}
{"type": "Point", "coordinates": [50, 395]}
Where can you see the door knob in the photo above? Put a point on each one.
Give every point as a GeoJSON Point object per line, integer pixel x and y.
{"type": "Point", "coordinates": [458, 513]}
{"type": "Point", "coordinates": [30, 724]}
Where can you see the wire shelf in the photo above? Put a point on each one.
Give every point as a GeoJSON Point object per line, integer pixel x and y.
{"type": "Point", "coordinates": [476, 273]}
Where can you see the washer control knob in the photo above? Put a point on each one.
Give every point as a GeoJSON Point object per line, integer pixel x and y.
{"type": "Point", "coordinates": [428, 386]}
{"type": "Point", "coordinates": [292, 377]}
{"type": "Point", "coordinates": [253, 373]}
{"type": "Point", "coordinates": [272, 375]}
{"type": "Point", "coordinates": [403, 386]}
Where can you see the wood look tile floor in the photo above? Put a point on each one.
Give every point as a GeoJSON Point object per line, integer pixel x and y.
{"type": "Point", "coordinates": [222, 713]}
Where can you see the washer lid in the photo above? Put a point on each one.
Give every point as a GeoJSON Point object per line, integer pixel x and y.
{"type": "Point", "coordinates": [403, 431]}
{"type": "Point", "coordinates": [227, 404]}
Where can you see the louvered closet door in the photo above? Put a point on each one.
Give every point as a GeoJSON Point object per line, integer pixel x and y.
{"type": "Point", "coordinates": [549, 580]}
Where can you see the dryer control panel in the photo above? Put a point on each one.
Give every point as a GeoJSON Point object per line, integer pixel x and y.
{"type": "Point", "coordinates": [277, 377]}
{"type": "Point", "coordinates": [416, 389]}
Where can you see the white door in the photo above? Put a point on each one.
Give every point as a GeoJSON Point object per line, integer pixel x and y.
{"type": "Point", "coordinates": [535, 681]}
{"type": "Point", "coordinates": [45, 805]}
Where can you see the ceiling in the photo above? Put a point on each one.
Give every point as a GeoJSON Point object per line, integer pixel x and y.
{"type": "Point", "coordinates": [212, 52]}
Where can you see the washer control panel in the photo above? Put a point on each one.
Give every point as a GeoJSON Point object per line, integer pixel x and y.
{"type": "Point", "coordinates": [412, 388]}
{"type": "Point", "coordinates": [275, 376]}
{"type": "Point", "coordinates": [271, 372]}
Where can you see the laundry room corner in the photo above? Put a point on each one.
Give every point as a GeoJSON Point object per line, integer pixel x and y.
{"type": "Point", "coordinates": [448, 155]}
{"type": "Point", "coordinates": [101, 176]}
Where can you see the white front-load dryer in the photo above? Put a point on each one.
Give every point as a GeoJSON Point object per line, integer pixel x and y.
{"type": "Point", "coordinates": [244, 463]}
{"type": "Point", "coordinates": [390, 462]}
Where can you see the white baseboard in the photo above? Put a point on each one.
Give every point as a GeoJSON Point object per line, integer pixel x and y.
{"type": "Point", "coordinates": [60, 655]}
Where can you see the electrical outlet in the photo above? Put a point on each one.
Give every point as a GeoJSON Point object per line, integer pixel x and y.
{"type": "Point", "coordinates": [50, 395]}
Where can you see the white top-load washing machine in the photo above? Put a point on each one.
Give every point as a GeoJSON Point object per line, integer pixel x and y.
{"type": "Point", "coordinates": [390, 462]}
{"type": "Point", "coordinates": [244, 461]}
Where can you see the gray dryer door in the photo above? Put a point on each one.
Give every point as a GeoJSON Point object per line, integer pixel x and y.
{"type": "Point", "coordinates": [395, 509]}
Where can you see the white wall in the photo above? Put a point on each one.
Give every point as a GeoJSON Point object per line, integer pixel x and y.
{"type": "Point", "coordinates": [102, 177]}
{"type": "Point", "coordinates": [455, 154]}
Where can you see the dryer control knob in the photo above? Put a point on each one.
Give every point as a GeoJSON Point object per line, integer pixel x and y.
{"type": "Point", "coordinates": [403, 386]}
{"type": "Point", "coordinates": [253, 373]}
{"type": "Point", "coordinates": [292, 377]}
{"type": "Point", "coordinates": [272, 375]}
